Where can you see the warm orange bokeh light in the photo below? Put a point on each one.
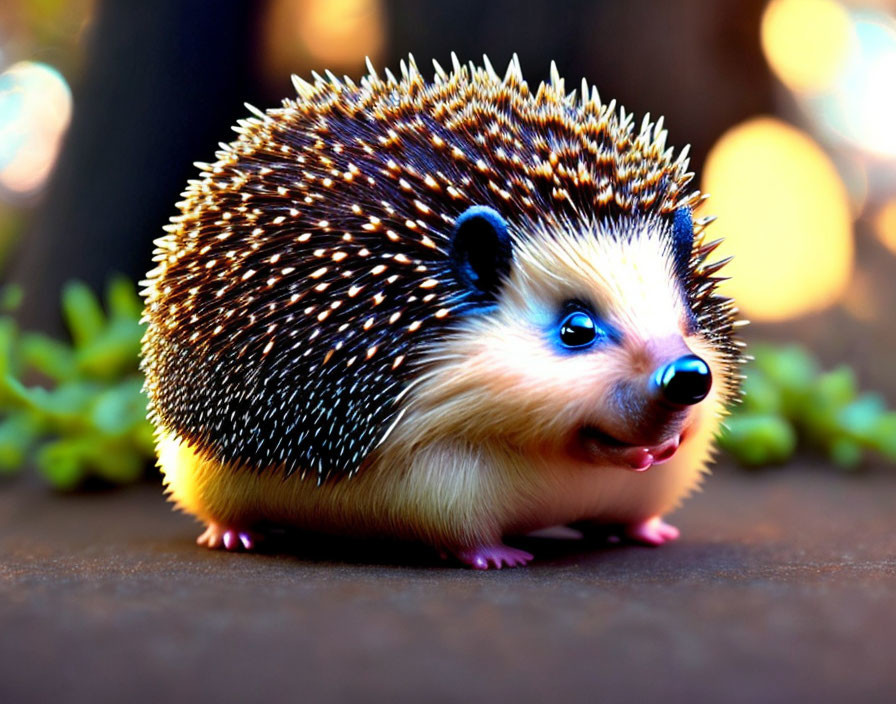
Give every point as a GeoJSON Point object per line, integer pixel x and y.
{"type": "Point", "coordinates": [885, 225]}
{"type": "Point", "coordinates": [785, 216]}
{"type": "Point", "coordinates": [338, 32]}
{"type": "Point", "coordinates": [806, 42]}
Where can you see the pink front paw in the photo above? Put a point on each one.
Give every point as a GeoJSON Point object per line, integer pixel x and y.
{"type": "Point", "coordinates": [217, 536]}
{"type": "Point", "coordinates": [653, 531]}
{"type": "Point", "coordinates": [497, 556]}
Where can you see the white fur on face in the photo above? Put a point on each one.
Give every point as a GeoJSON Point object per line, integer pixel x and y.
{"type": "Point", "coordinates": [503, 374]}
{"type": "Point", "coordinates": [629, 279]}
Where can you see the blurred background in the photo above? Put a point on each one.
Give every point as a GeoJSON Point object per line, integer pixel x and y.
{"type": "Point", "coordinates": [789, 107]}
{"type": "Point", "coordinates": [782, 589]}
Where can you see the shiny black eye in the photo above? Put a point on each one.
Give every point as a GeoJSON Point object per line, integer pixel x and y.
{"type": "Point", "coordinates": [577, 330]}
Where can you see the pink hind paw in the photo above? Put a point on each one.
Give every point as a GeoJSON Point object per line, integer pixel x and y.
{"type": "Point", "coordinates": [217, 536]}
{"type": "Point", "coordinates": [653, 531]}
{"type": "Point", "coordinates": [497, 556]}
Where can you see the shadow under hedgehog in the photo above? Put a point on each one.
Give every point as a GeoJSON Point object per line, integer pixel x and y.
{"type": "Point", "coordinates": [446, 312]}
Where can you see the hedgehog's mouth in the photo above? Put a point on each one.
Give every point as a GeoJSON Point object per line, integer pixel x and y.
{"type": "Point", "coordinates": [599, 446]}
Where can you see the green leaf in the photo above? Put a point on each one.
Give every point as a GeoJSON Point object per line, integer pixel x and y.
{"type": "Point", "coordinates": [791, 370]}
{"type": "Point", "coordinates": [64, 462]}
{"type": "Point", "coordinates": [759, 439]}
{"type": "Point", "coordinates": [760, 394]}
{"type": "Point", "coordinates": [836, 388]}
{"type": "Point", "coordinates": [113, 353]}
{"type": "Point", "coordinates": [883, 435]}
{"type": "Point", "coordinates": [17, 434]}
{"type": "Point", "coordinates": [845, 452]}
{"type": "Point", "coordinates": [82, 312]}
{"type": "Point", "coordinates": [50, 357]}
{"type": "Point", "coordinates": [859, 418]}
{"type": "Point", "coordinates": [122, 300]}
{"type": "Point", "coordinates": [119, 463]}
{"type": "Point", "coordinates": [143, 437]}
{"type": "Point", "coordinates": [119, 409]}
{"type": "Point", "coordinates": [790, 367]}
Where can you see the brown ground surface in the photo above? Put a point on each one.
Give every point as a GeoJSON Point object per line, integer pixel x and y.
{"type": "Point", "coordinates": [782, 588]}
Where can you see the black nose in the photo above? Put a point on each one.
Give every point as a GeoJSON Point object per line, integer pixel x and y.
{"type": "Point", "coordinates": [685, 381]}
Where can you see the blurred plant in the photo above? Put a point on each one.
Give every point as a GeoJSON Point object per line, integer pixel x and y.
{"type": "Point", "coordinates": [787, 398]}
{"type": "Point", "coordinates": [90, 418]}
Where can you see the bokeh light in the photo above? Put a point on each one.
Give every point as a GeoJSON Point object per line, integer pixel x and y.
{"type": "Point", "coordinates": [855, 175]}
{"type": "Point", "coordinates": [861, 107]}
{"type": "Point", "coordinates": [806, 42]}
{"type": "Point", "coordinates": [785, 215]}
{"type": "Point", "coordinates": [885, 225]}
{"type": "Point", "coordinates": [35, 109]}
{"type": "Point", "coordinates": [339, 31]}
{"type": "Point", "coordinates": [301, 35]}
{"type": "Point", "coordinates": [840, 62]}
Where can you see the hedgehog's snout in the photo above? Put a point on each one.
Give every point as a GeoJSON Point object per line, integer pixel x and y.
{"type": "Point", "coordinates": [684, 381]}
{"type": "Point", "coordinates": [653, 402]}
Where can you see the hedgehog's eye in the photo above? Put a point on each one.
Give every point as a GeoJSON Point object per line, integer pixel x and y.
{"type": "Point", "coordinates": [578, 329]}
{"type": "Point", "coordinates": [481, 250]}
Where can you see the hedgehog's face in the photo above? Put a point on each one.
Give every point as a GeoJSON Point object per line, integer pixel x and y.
{"type": "Point", "coordinates": [590, 349]}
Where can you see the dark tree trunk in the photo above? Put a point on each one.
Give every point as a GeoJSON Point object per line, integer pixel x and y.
{"type": "Point", "coordinates": [163, 83]}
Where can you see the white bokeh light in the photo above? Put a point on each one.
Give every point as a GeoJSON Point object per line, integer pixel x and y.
{"type": "Point", "coordinates": [35, 110]}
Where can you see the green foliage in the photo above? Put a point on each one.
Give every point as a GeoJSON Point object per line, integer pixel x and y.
{"type": "Point", "coordinates": [75, 409]}
{"type": "Point", "coordinates": [787, 397]}
{"type": "Point", "coordinates": [85, 414]}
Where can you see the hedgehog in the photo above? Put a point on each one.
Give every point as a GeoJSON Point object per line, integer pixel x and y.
{"type": "Point", "coordinates": [448, 311]}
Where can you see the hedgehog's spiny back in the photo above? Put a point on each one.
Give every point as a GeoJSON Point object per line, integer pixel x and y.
{"type": "Point", "coordinates": [308, 268]}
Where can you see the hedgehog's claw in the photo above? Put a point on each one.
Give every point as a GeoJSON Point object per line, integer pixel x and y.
{"type": "Point", "coordinates": [217, 536]}
{"type": "Point", "coordinates": [653, 531]}
{"type": "Point", "coordinates": [496, 556]}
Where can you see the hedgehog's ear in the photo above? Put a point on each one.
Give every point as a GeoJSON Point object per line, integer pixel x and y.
{"type": "Point", "coordinates": [682, 240]}
{"type": "Point", "coordinates": [480, 250]}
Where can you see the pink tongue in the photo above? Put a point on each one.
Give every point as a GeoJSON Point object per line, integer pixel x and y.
{"type": "Point", "coordinates": [643, 458]}
{"type": "Point", "coordinates": [638, 458]}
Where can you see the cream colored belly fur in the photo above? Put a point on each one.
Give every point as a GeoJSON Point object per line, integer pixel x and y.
{"type": "Point", "coordinates": [446, 495]}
